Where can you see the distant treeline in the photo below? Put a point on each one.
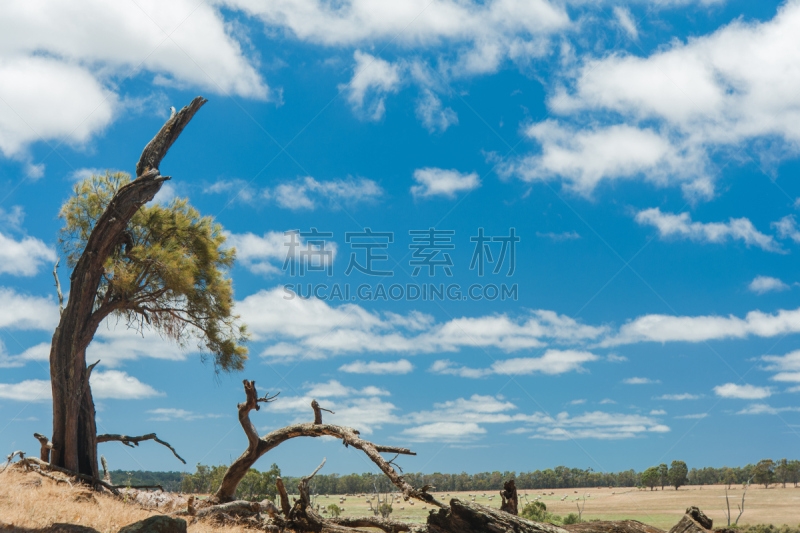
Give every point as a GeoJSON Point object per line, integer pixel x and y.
{"type": "Point", "coordinates": [258, 484]}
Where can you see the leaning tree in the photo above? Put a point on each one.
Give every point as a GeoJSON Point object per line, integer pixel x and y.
{"type": "Point", "coordinates": [160, 267]}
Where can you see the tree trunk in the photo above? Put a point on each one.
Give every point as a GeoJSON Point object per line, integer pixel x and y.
{"type": "Point", "coordinates": [74, 433]}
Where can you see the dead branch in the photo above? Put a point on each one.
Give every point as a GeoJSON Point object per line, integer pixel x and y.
{"type": "Point", "coordinates": [258, 446]}
{"type": "Point", "coordinates": [30, 461]}
{"type": "Point", "coordinates": [134, 441]}
{"type": "Point", "coordinates": [106, 473]}
{"type": "Point", "coordinates": [285, 507]}
{"type": "Point", "coordinates": [44, 453]}
{"type": "Point", "coordinates": [510, 501]}
{"type": "Point", "coordinates": [58, 288]}
{"type": "Point", "coordinates": [318, 412]}
{"type": "Point", "coordinates": [10, 458]}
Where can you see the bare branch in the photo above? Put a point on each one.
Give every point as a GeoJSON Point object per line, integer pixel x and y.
{"type": "Point", "coordinates": [318, 412]}
{"type": "Point", "coordinates": [46, 446]}
{"type": "Point", "coordinates": [106, 473]}
{"type": "Point", "coordinates": [131, 441]}
{"type": "Point", "coordinates": [285, 507]}
{"type": "Point", "coordinates": [31, 461]}
{"type": "Point", "coordinates": [157, 148]}
{"type": "Point", "coordinates": [10, 458]}
{"type": "Point", "coordinates": [58, 288]}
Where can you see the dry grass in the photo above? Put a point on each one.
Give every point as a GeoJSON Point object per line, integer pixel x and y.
{"type": "Point", "coordinates": [25, 506]}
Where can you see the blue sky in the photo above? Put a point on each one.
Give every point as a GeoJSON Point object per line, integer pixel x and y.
{"type": "Point", "coordinates": [644, 153]}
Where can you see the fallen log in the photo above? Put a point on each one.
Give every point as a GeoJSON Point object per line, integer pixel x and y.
{"type": "Point", "coordinates": [467, 517]}
{"type": "Point", "coordinates": [617, 526]}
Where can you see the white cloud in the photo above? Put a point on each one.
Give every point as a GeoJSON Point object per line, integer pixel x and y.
{"type": "Point", "coordinates": [764, 409]}
{"type": "Point", "coordinates": [599, 425]}
{"type": "Point", "coordinates": [23, 257]}
{"type": "Point", "coordinates": [640, 381]}
{"type": "Point", "coordinates": [665, 328]}
{"type": "Point", "coordinates": [372, 79]}
{"type": "Point", "coordinates": [432, 115]}
{"type": "Point", "coordinates": [626, 22]}
{"type": "Point", "coordinates": [614, 358]}
{"type": "Point", "coordinates": [111, 384]}
{"type": "Point", "coordinates": [583, 158]}
{"type": "Point", "coordinates": [31, 390]}
{"type": "Point", "coordinates": [444, 432]}
{"type": "Point", "coordinates": [13, 217]}
{"type": "Point", "coordinates": [658, 412]}
{"type": "Point", "coordinates": [403, 366]}
{"type": "Point", "coordinates": [697, 416]}
{"type": "Point", "coordinates": [334, 388]}
{"type": "Point", "coordinates": [678, 397]}
{"type": "Point", "coordinates": [787, 228]}
{"type": "Point", "coordinates": [764, 284]}
{"type": "Point", "coordinates": [266, 255]}
{"type": "Point", "coordinates": [312, 328]}
{"type": "Point", "coordinates": [170, 414]}
{"type": "Point", "coordinates": [563, 236]}
{"type": "Point", "coordinates": [551, 363]}
{"type": "Point", "coordinates": [707, 94]}
{"type": "Point", "coordinates": [308, 193]}
{"type": "Point", "coordinates": [39, 352]}
{"type": "Point", "coordinates": [19, 311]}
{"type": "Point", "coordinates": [783, 363]}
{"type": "Point", "coordinates": [442, 182]}
{"type": "Point", "coordinates": [61, 63]}
{"type": "Point", "coordinates": [577, 402]}
{"type": "Point", "coordinates": [607, 401]}
{"type": "Point", "coordinates": [744, 392]}
{"type": "Point", "coordinates": [681, 226]}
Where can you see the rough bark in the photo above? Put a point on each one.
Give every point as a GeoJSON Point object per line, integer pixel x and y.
{"type": "Point", "coordinates": [46, 446]}
{"type": "Point", "coordinates": [258, 446]}
{"type": "Point", "coordinates": [468, 517]}
{"type": "Point", "coordinates": [390, 526]}
{"type": "Point", "coordinates": [510, 502]}
{"type": "Point", "coordinates": [74, 431]}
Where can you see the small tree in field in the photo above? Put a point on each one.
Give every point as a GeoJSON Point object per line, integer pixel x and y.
{"type": "Point", "coordinates": [677, 474]}
{"type": "Point", "coordinates": [764, 472]}
{"type": "Point", "coordinates": [663, 475]}
{"type": "Point", "coordinates": [650, 477]}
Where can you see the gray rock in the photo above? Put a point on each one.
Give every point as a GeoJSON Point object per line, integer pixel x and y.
{"type": "Point", "coordinates": [70, 528]}
{"type": "Point", "coordinates": [156, 524]}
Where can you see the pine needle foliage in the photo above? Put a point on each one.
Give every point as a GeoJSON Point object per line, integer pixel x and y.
{"type": "Point", "coordinates": [169, 273]}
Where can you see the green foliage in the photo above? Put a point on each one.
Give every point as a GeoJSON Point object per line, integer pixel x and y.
{"type": "Point", "coordinates": [663, 475]}
{"type": "Point", "coordinates": [764, 472]}
{"type": "Point", "coordinates": [255, 485]}
{"type": "Point", "coordinates": [678, 474]}
{"type": "Point", "coordinates": [536, 511]}
{"type": "Point", "coordinates": [385, 509]}
{"type": "Point", "coordinates": [168, 273]}
{"type": "Point", "coordinates": [334, 510]}
{"type": "Point", "coordinates": [651, 477]}
{"type": "Point", "coordinates": [571, 518]}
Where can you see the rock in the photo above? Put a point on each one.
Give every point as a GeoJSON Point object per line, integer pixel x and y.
{"type": "Point", "coordinates": [70, 528]}
{"type": "Point", "coordinates": [84, 497]}
{"type": "Point", "coordinates": [156, 524]}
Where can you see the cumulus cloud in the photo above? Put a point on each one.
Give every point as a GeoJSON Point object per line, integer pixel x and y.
{"type": "Point", "coordinates": [744, 392]}
{"type": "Point", "coordinates": [111, 384]}
{"type": "Point", "coordinates": [268, 254]}
{"type": "Point", "coordinates": [678, 397]}
{"type": "Point", "coordinates": [787, 228]}
{"type": "Point", "coordinates": [23, 257]}
{"type": "Point", "coordinates": [21, 311]}
{"type": "Point", "coordinates": [678, 106]}
{"type": "Point", "coordinates": [403, 366]}
{"type": "Point", "coordinates": [551, 363]}
{"type": "Point", "coordinates": [667, 328]}
{"type": "Point", "coordinates": [697, 416]}
{"type": "Point", "coordinates": [441, 182]}
{"type": "Point", "coordinates": [432, 115]}
{"type": "Point", "coordinates": [39, 352]}
{"type": "Point", "coordinates": [308, 193]}
{"type": "Point", "coordinates": [626, 22]}
{"type": "Point", "coordinates": [599, 425]}
{"type": "Point", "coordinates": [640, 381]}
{"type": "Point", "coordinates": [59, 69]}
{"type": "Point", "coordinates": [372, 79]}
{"type": "Point", "coordinates": [171, 414]}
{"type": "Point", "coordinates": [680, 226]}
{"type": "Point", "coordinates": [310, 328]}
{"type": "Point", "coordinates": [765, 284]}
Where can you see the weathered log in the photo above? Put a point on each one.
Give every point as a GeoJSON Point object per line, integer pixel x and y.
{"type": "Point", "coordinates": [239, 505]}
{"type": "Point", "coordinates": [694, 521]}
{"type": "Point", "coordinates": [285, 506]}
{"type": "Point", "coordinates": [390, 526]}
{"type": "Point", "coordinates": [510, 503]}
{"type": "Point", "coordinates": [134, 441]}
{"type": "Point", "coordinates": [617, 526]}
{"type": "Point", "coordinates": [28, 461]}
{"type": "Point", "coordinates": [468, 517]}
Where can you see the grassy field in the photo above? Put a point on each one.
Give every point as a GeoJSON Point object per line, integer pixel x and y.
{"type": "Point", "coordinates": [26, 504]}
{"type": "Point", "coordinates": [775, 505]}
